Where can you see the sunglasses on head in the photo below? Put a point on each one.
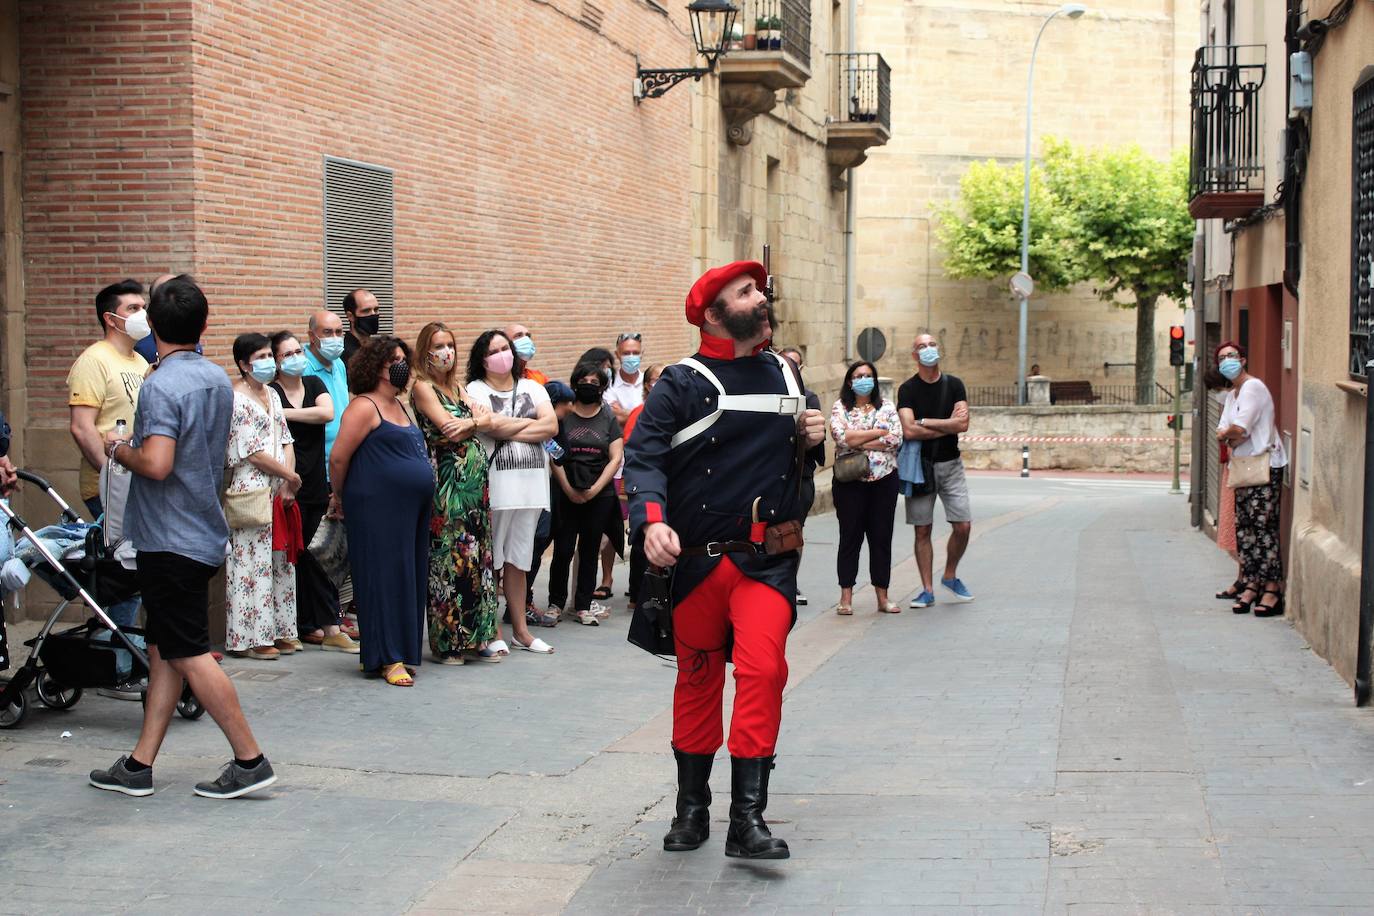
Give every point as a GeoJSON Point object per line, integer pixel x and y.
{"type": "Point", "coordinates": [629, 335]}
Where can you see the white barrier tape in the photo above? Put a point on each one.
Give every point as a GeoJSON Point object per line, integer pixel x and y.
{"type": "Point", "coordinates": [1018, 440]}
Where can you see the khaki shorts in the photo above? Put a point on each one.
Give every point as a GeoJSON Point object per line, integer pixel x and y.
{"type": "Point", "coordinates": [952, 488]}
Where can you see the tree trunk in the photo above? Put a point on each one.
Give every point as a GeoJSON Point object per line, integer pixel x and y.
{"type": "Point", "coordinates": [1145, 351]}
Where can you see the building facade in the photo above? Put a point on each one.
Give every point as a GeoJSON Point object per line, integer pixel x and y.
{"type": "Point", "coordinates": [1283, 185]}
{"type": "Point", "coordinates": [959, 67]}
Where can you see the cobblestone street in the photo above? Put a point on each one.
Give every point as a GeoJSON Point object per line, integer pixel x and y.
{"type": "Point", "coordinates": [1094, 733]}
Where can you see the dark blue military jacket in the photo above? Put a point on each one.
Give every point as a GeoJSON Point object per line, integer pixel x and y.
{"type": "Point", "coordinates": [705, 488]}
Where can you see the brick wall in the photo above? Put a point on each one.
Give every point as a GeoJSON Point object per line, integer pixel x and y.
{"type": "Point", "coordinates": [528, 184]}
{"type": "Point", "coordinates": [106, 115]}
{"type": "Point", "coordinates": [191, 136]}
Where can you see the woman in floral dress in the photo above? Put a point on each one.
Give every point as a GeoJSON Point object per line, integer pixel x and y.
{"type": "Point", "coordinates": [462, 585]}
{"type": "Point", "coordinates": [260, 583]}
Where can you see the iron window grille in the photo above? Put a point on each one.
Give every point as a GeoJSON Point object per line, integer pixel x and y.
{"type": "Point", "coordinates": [863, 88]}
{"type": "Point", "coordinates": [786, 23]}
{"type": "Point", "coordinates": [1362, 231]}
{"type": "Point", "coordinates": [360, 235]}
{"type": "Point", "coordinates": [1227, 153]}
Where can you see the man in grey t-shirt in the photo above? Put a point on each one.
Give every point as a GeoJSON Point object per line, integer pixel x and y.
{"type": "Point", "coordinates": [174, 519]}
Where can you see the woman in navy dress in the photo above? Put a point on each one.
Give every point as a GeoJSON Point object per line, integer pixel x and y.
{"type": "Point", "coordinates": [380, 466]}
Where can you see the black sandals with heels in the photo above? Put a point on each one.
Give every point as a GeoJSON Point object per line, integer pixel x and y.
{"type": "Point", "coordinates": [1270, 610]}
{"type": "Point", "coordinates": [1243, 604]}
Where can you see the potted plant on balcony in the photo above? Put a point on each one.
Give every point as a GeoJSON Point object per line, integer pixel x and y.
{"type": "Point", "coordinates": [775, 34]}
{"type": "Point", "coordinates": [760, 34]}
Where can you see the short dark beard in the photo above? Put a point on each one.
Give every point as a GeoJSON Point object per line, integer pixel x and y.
{"type": "Point", "coordinates": [744, 326]}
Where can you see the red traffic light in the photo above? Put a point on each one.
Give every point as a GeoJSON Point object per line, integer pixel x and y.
{"type": "Point", "coordinates": [1176, 332]}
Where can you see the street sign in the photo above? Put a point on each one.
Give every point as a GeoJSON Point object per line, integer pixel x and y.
{"type": "Point", "coordinates": [1022, 285]}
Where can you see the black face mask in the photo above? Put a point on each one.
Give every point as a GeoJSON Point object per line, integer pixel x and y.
{"type": "Point", "coordinates": [399, 374]}
{"type": "Point", "coordinates": [588, 393]}
{"type": "Point", "coordinates": [368, 324]}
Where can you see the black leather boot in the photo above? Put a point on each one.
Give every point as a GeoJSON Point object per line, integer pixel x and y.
{"type": "Point", "coordinates": [748, 837]}
{"type": "Point", "coordinates": [692, 825]}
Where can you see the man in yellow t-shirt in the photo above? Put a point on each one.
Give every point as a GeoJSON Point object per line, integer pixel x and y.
{"type": "Point", "coordinates": [102, 389]}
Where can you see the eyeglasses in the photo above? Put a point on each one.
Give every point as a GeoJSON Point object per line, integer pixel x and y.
{"type": "Point", "coordinates": [629, 335]}
{"type": "Point", "coordinates": [1228, 354]}
{"type": "Point", "coordinates": [330, 332]}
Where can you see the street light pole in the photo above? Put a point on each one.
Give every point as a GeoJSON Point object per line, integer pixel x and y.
{"type": "Point", "coordinates": [1073, 11]}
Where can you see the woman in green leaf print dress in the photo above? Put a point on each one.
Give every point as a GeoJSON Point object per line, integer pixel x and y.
{"type": "Point", "coordinates": [462, 587]}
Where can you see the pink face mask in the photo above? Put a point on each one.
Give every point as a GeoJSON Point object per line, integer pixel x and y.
{"type": "Point", "coordinates": [500, 363]}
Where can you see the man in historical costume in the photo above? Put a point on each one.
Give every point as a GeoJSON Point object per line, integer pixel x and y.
{"type": "Point", "coordinates": [711, 473]}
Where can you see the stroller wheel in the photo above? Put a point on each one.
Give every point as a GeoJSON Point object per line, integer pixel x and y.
{"type": "Point", "coordinates": [55, 696]}
{"type": "Point", "coordinates": [188, 706]}
{"type": "Point", "coordinates": [13, 714]}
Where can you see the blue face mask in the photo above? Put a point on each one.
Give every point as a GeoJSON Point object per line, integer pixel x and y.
{"type": "Point", "coordinates": [264, 370]}
{"type": "Point", "coordinates": [630, 364]}
{"type": "Point", "coordinates": [1230, 367]}
{"type": "Point", "coordinates": [862, 386]}
{"type": "Point", "coordinates": [294, 365]}
{"type": "Point", "coordinates": [929, 356]}
{"type": "Point", "coordinates": [331, 348]}
{"type": "Point", "coordinates": [524, 348]}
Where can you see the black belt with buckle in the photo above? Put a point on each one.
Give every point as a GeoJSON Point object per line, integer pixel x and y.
{"type": "Point", "coordinates": [717, 548]}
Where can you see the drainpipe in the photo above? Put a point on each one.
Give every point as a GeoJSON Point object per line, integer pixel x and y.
{"type": "Point", "coordinates": [850, 280]}
{"type": "Point", "coordinates": [1362, 654]}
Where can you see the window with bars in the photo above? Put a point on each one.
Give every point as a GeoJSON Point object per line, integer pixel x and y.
{"type": "Point", "coordinates": [360, 235]}
{"type": "Point", "coordinates": [1362, 230]}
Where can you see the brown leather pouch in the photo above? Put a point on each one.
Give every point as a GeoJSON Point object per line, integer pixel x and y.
{"type": "Point", "coordinates": [783, 537]}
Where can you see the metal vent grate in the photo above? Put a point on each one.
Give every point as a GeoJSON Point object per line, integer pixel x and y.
{"type": "Point", "coordinates": [1362, 233]}
{"type": "Point", "coordinates": [592, 16]}
{"type": "Point", "coordinates": [360, 235]}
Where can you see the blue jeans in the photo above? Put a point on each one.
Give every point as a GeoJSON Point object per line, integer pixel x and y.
{"type": "Point", "coordinates": [123, 613]}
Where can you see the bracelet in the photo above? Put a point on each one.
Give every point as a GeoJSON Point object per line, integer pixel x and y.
{"type": "Point", "coordinates": [113, 447]}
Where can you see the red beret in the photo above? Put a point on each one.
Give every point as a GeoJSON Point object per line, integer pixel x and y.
{"type": "Point", "coordinates": [709, 285]}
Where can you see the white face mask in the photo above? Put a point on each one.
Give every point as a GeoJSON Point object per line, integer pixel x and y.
{"type": "Point", "coordinates": [136, 325]}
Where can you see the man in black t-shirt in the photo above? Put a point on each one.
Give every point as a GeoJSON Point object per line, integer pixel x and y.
{"type": "Point", "coordinates": [933, 408]}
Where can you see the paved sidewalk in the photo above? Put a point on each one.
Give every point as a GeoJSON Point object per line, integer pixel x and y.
{"type": "Point", "coordinates": [1094, 733]}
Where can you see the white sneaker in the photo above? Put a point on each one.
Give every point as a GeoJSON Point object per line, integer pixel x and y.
{"type": "Point", "coordinates": [600, 611]}
{"type": "Point", "coordinates": [588, 618]}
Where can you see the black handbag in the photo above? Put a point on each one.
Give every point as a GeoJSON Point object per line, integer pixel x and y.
{"type": "Point", "coordinates": [651, 626]}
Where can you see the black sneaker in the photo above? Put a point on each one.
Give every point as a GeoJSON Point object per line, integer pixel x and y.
{"type": "Point", "coordinates": [234, 781]}
{"type": "Point", "coordinates": [128, 690]}
{"type": "Point", "coordinates": [118, 778]}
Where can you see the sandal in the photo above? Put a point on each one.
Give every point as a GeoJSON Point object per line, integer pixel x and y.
{"type": "Point", "coordinates": [603, 592]}
{"type": "Point", "coordinates": [498, 648]}
{"type": "Point", "coordinates": [1230, 594]}
{"type": "Point", "coordinates": [1242, 605]}
{"type": "Point", "coordinates": [889, 608]}
{"type": "Point", "coordinates": [397, 676]}
{"type": "Point", "coordinates": [844, 610]}
{"type": "Point", "coordinates": [537, 646]}
{"type": "Point", "coordinates": [487, 654]}
{"type": "Point", "coordinates": [1269, 610]}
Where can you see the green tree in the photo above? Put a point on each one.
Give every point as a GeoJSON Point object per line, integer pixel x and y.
{"type": "Point", "coordinates": [1113, 217]}
{"type": "Point", "coordinates": [1133, 229]}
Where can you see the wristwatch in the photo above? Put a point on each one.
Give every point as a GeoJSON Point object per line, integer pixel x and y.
{"type": "Point", "coordinates": [112, 447]}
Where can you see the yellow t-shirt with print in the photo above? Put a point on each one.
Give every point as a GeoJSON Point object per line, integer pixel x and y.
{"type": "Point", "coordinates": [109, 381]}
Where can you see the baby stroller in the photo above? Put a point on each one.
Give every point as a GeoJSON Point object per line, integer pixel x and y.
{"type": "Point", "coordinates": [64, 663]}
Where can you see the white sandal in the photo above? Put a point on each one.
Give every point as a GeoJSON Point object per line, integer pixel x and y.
{"type": "Point", "coordinates": [498, 647]}
{"type": "Point", "coordinates": [537, 646]}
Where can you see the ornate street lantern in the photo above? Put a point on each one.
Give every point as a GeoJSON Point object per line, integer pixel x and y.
{"type": "Point", "coordinates": [712, 22]}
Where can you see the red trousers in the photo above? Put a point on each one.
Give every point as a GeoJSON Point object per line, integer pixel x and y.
{"type": "Point", "coordinates": [760, 618]}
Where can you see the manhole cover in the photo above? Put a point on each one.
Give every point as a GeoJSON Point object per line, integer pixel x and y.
{"type": "Point", "coordinates": [46, 762]}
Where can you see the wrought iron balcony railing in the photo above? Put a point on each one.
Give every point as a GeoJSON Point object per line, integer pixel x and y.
{"type": "Point", "coordinates": [1362, 234]}
{"type": "Point", "coordinates": [863, 89]}
{"type": "Point", "coordinates": [1227, 147]}
{"type": "Point", "coordinates": [777, 25]}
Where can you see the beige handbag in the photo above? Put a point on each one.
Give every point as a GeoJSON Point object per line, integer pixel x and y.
{"type": "Point", "coordinates": [253, 508]}
{"type": "Point", "coordinates": [1251, 471]}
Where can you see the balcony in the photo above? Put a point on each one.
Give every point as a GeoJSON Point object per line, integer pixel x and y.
{"type": "Point", "coordinates": [1226, 175]}
{"type": "Point", "coordinates": [861, 111]}
{"type": "Point", "coordinates": [770, 51]}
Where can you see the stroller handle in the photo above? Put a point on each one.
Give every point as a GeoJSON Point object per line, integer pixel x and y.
{"type": "Point", "coordinates": [67, 514]}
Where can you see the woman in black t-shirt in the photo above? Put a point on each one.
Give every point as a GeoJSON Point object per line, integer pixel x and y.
{"type": "Point", "coordinates": [592, 446]}
{"type": "Point", "coordinates": [308, 408]}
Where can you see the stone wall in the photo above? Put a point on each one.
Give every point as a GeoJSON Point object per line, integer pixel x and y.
{"type": "Point", "coordinates": [959, 96]}
{"type": "Point", "coordinates": [1083, 438]}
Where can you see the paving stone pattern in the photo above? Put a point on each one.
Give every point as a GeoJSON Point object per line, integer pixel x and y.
{"type": "Point", "coordinates": [1093, 734]}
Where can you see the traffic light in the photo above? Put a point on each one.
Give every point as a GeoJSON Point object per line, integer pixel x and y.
{"type": "Point", "coordinates": [1176, 345]}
